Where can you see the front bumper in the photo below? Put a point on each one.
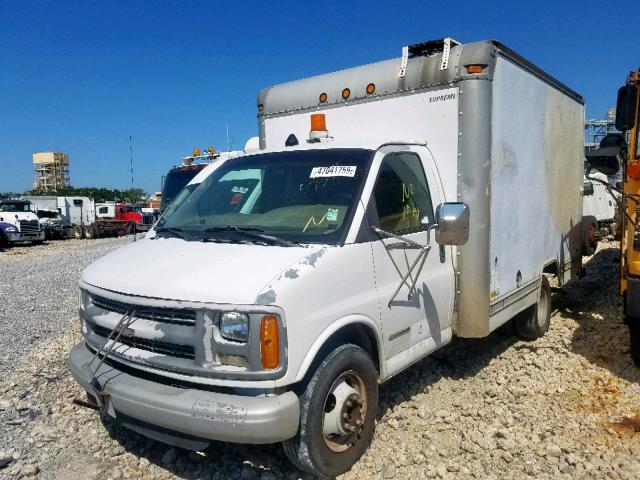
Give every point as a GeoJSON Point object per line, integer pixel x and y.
{"type": "Point", "coordinates": [13, 237]}
{"type": "Point", "coordinates": [170, 413]}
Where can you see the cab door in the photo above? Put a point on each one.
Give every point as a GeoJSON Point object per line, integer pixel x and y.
{"type": "Point", "coordinates": [414, 275]}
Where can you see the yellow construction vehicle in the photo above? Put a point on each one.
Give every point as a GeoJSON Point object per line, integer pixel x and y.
{"type": "Point", "coordinates": [623, 151]}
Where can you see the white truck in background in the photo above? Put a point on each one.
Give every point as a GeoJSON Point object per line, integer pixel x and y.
{"type": "Point", "coordinates": [387, 211]}
{"type": "Point", "coordinates": [599, 211]}
{"type": "Point", "coordinates": [20, 222]}
{"type": "Point", "coordinates": [74, 210]}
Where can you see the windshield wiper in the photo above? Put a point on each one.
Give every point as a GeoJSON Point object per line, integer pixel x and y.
{"type": "Point", "coordinates": [253, 233]}
{"type": "Point", "coordinates": [176, 232]}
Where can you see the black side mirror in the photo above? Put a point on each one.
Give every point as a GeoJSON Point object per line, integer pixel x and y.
{"type": "Point", "coordinates": [587, 189]}
{"type": "Point", "coordinates": [606, 158]}
{"type": "Point", "coordinates": [626, 108]}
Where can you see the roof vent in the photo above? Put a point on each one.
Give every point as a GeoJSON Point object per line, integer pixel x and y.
{"type": "Point", "coordinates": [430, 47]}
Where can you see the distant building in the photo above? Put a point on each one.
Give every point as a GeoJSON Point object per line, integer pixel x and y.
{"type": "Point", "coordinates": [51, 171]}
{"type": "Point", "coordinates": [155, 200]}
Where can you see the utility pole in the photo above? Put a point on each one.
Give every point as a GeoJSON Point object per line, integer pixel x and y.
{"type": "Point", "coordinates": [131, 160]}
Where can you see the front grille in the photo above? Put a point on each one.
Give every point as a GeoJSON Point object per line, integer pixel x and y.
{"type": "Point", "coordinates": [147, 219]}
{"type": "Point", "coordinates": [176, 316]}
{"type": "Point", "coordinates": [29, 227]}
{"type": "Point", "coordinates": [155, 346]}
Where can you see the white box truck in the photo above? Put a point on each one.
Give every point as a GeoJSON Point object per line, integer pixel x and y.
{"type": "Point", "coordinates": [388, 210]}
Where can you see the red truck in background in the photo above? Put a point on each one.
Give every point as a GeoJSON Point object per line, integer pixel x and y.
{"type": "Point", "coordinates": [131, 213]}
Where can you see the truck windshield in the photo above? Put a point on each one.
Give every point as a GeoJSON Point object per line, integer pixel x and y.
{"type": "Point", "coordinates": [175, 181]}
{"type": "Point", "coordinates": [15, 207]}
{"type": "Point", "coordinates": [303, 196]}
{"type": "Point", "coordinates": [47, 214]}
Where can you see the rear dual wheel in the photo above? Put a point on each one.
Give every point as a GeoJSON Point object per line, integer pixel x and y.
{"type": "Point", "coordinates": [534, 322]}
{"type": "Point", "coordinates": [634, 339]}
{"type": "Point", "coordinates": [337, 414]}
{"type": "Point", "coordinates": [90, 232]}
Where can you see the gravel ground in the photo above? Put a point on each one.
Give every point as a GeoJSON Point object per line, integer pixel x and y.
{"type": "Point", "coordinates": [38, 286]}
{"type": "Point", "coordinates": [565, 406]}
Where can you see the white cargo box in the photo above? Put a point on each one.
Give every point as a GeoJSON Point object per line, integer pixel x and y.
{"type": "Point", "coordinates": [507, 141]}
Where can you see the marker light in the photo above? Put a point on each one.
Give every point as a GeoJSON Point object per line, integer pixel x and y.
{"type": "Point", "coordinates": [633, 170]}
{"type": "Point", "coordinates": [196, 152]}
{"type": "Point", "coordinates": [211, 150]}
{"type": "Point", "coordinates": [318, 122]}
{"type": "Point", "coordinates": [323, 97]}
{"type": "Point", "coordinates": [269, 342]}
{"type": "Point", "coordinates": [346, 93]}
{"type": "Point", "coordinates": [475, 68]}
{"type": "Point", "coordinates": [371, 88]}
{"type": "Point", "coordinates": [261, 108]}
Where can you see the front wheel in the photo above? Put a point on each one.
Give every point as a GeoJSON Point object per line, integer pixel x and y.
{"type": "Point", "coordinates": [337, 414]}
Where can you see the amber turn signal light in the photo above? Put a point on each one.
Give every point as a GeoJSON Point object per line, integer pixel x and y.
{"type": "Point", "coordinates": [633, 170]}
{"type": "Point", "coordinates": [269, 342]}
{"type": "Point", "coordinates": [475, 68]}
{"type": "Point", "coordinates": [346, 93]}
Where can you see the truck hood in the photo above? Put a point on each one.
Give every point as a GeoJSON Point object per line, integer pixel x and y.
{"type": "Point", "coordinates": [174, 269]}
{"type": "Point", "coordinates": [14, 217]}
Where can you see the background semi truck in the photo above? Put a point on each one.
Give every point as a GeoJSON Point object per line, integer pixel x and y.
{"type": "Point", "coordinates": [387, 211]}
{"type": "Point", "coordinates": [83, 218]}
{"type": "Point", "coordinates": [21, 222]}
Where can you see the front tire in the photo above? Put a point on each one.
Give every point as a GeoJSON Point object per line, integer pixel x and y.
{"type": "Point", "coordinates": [534, 322]}
{"type": "Point", "coordinates": [337, 414]}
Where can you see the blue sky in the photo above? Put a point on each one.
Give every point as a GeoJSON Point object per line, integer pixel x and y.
{"type": "Point", "coordinates": [83, 76]}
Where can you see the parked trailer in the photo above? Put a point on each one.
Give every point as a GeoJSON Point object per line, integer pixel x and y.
{"type": "Point", "coordinates": [296, 279]}
{"type": "Point", "coordinates": [81, 219]}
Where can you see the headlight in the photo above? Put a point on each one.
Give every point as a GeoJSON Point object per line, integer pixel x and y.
{"type": "Point", "coordinates": [11, 229]}
{"type": "Point", "coordinates": [85, 299]}
{"type": "Point", "coordinates": [234, 326]}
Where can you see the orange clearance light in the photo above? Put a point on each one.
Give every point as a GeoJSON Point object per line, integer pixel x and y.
{"type": "Point", "coordinates": [475, 68]}
{"type": "Point", "coordinates": [196, 152]}
{"type": "Point", "coordinates": [323, 97]}
{"type": "Point", "coordinates": [346, 93]}
{"type": "Point", "coordinates": [371, 88]}
{"type": "Point", "coordinates": [261, 108]}
{"type": "Point", "coordinates": [633, 170]}
{"type": "Point", "coordinates": [269, 342]}
{"type": "Point", "coordinates": [318, 122]}
{"type": "Point", "coordinates": [211, 150]}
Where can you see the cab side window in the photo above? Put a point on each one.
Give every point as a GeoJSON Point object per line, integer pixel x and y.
{"type": "Point", "coordinates": [401, 194]}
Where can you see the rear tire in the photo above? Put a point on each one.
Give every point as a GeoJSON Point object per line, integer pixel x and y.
{"type": "Point", "coordinates": [337, 414]}
{"type": "Point", "coordinates": [590, 238]}
{"type": "Point", "coordinates": [78, 232]}
{"type": "Point", "coordinates": [534, 322]}
{"type": "Point", "coordinates": [634, 339]}
{"type": "Point", "coordinates": [90, 232]}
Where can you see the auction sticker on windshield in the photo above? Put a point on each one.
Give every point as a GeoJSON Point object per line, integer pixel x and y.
{"type": "Point", "coordinates": [333, 171]}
